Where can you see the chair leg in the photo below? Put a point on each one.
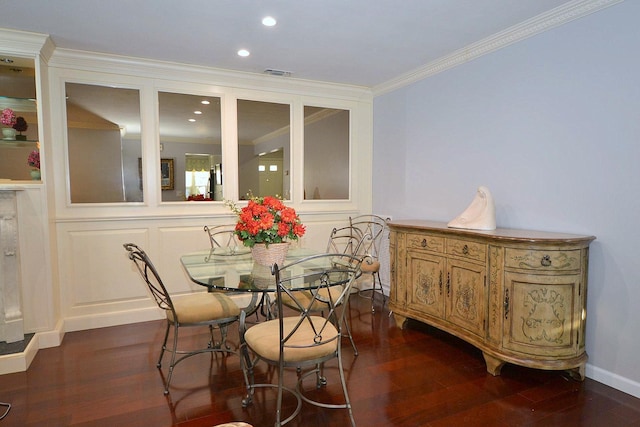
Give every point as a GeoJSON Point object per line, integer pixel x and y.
{"type": "Point", "coordinates": [321, 380]}
{"type": "Point", "coordinates": [173, 358]}
{"type": "Point", "coordinates": [373, 291]}
{"type": "Point", "coordinates": [344, 388]}
{"type": "Point", "coordinates": [164, 345]}
{"type": "Point", "coordinates": [213, 344]}
{"type": "Point", "coordinates": [348, 328]}
{"type": "Point", "coordinates": [212, 341]}
{"type": "Point", "coordinates": [279, 404]}
{"type": "Point", "coordinates": [247, 371]}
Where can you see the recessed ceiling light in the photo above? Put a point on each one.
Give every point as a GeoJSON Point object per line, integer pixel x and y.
{"type": "Point", "coordinates": [268, 21]}
{"type": "Point", "coordinates": [205, 102]}
{"type": "Point", "coordinates": [192, 120]}
{"type": "Point", "coordinates": [197, 112]}
{"type": "Point", "coordinates": [243, 52]}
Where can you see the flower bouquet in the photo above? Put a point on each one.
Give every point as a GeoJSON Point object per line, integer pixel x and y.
{"type": "Point", "coordinates": [34, 159]}
{"type": "Point", "coordinates": [8, 117]}
{"type": "Point", "coordinates": [267, 225]}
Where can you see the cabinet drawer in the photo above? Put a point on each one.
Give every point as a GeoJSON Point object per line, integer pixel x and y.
{"type": "Point", "coordinates": [425, 242]}
{"type": "Point", "coordinates": [542, 260]}
{"type": "Point", "coordinates": [467, 249]}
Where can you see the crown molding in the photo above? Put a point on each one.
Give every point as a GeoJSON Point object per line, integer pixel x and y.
{"type": "Point", "coordinates": [23, 43]}
{"type": "Point", "coordinates": [139, 67]}
{"type": "Point", "coordinates": [538, 24]}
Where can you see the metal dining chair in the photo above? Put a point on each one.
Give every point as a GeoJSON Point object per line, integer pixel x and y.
{"type": "Point", "coordinates": [375, 229]}
{"type": "Point", "coordinates": [215, 310]}
{"type": "Point", "coordinates": [343, 240]}
{"type": "Point", "coordinates": [302, 339]}
{"type": "Point", "coordinates": [223, 237]}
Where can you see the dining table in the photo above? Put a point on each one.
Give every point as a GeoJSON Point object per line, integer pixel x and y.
{"type": "Point", "coordinates": [233, 270]}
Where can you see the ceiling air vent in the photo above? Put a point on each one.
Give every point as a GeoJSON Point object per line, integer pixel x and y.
{"type": "Point", "coordinates": [280, 73]}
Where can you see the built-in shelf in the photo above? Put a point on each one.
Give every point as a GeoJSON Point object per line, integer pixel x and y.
{"type": "Point", "coordinates": [17, 143]}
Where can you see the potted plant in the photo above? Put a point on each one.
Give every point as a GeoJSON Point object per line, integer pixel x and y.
{"type": "Point", "coordinates": [8, 118]}
{"type": "Point", "coordinates": [267, 226]}
{"type": "Point", "coordinates": [34, 161]}
{"type": "Point", "coordinates": [21, 126]}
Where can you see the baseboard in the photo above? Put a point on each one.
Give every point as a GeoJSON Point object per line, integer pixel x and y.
{"type": "Point", "coordinates": [623, 384]}
{"type": "Point", "coordinates": [51, 338]}
{"type": "Point", "coordinates": [104, 320]}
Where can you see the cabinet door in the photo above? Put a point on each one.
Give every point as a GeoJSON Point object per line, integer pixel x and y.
{"type": "Point", "coordinates": [542, 314]}
{"type": "Point", "coordinates": [466, 295]}
{"type": "Point", "coordinates": [425, 287]}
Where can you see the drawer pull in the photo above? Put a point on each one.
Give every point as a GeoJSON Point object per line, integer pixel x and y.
{"type": "Point", "coordinates": [423, 243]}
{"type": "Point", "coordinates": [465, 250]}
{"type": "Point", "coordinates": [545, 261]}
{"type": "Point", "coordinates": [440, 282]}
{"type": "Point", "coordinates": [448, 284]}
{"type": "Point", "coordinates": [506, 303]}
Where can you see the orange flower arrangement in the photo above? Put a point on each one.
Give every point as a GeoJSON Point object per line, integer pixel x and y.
{"type": "Point", "coordinates": [266, 220]}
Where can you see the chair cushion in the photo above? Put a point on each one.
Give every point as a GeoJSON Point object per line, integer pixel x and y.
{"type": "Point", "coordinates": [304, 298]}
{"type": "Point", "coordinates": [370, 266]}
{"type": "Point", "coordinates": [203, 307]}
{"type": "Point", "coordinates": [234, 424]}
{"type": "Point", "coordinates": [264, 338]}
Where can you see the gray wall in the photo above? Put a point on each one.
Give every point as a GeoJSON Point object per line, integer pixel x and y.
{"type": "Point", "coordinates": [551, 125]}
{"type": "Point", "coordinates": [95, 166]}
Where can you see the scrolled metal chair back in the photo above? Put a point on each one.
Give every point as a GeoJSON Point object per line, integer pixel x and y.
{"type": "Point", "coordinates": [334, 269]}
{"type": "Point", "coordinates": [374, 227]}
{"type": "Point", "coordinates": [222, 236]}
{"type": "Point", "coordinates": [150, 275]}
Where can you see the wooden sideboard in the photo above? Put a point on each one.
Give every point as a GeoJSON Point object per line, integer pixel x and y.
{"type": "Point", "coordinates": [517, 295]}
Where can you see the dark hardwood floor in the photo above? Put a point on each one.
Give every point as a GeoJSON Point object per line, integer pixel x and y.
{"type": "Point", "coordinates": [418, 376]}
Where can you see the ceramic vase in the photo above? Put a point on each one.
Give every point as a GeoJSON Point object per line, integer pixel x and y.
{"type": "Point", "coordinates": [9, 134]}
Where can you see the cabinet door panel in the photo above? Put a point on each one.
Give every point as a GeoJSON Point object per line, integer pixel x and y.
{"type": "Point", "coordinates": [466, 295]}
{"type": "Point", "coordinates": [425, 288]}
{"type": "Point", "coordinates": [540, 313]}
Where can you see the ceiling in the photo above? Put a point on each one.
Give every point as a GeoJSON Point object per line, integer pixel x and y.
{"type": "Point", "coordinates": [358, 42]}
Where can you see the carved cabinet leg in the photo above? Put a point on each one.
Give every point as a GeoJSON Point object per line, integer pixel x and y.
{"type": "Point", "coordinates": [400, 320]}
{"type": "Point", "coordinates": [494, 365]}
{"type": "Point", "coordinates": [577, 373]}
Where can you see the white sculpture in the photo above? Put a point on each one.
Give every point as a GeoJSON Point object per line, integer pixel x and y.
{"type": "Point", "coordinates": [480, 215]}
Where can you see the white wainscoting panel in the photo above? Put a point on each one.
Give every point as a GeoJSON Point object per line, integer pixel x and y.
{"type": "Point", "coordinates": [100, 285]}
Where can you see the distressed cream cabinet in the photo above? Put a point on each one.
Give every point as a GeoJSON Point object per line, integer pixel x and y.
{"type": "Point", "coordinates": [517, 295]}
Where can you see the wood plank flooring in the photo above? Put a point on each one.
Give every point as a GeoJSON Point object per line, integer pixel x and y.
{"type": "Point", "coordinates": [418, 376]}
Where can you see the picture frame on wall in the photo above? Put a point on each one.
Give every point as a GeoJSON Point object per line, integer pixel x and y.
{"type": "Point", "coordinates": [166, 174]}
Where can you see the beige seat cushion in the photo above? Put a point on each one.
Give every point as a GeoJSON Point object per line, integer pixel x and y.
{"type": "Point", "coordinates": [234, 424]}
{"type": "Point", "coordinates": [304, 298]}
{"type": "Point", "coordinates": [202, 307]}
{"type": "Point", "coordinates": [370, 266]}
{"type": "Point", "coordinates": [263, 339]}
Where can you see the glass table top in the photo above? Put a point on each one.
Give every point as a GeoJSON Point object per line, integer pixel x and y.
{"type": "Point", "coordinates": [235, 270]}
